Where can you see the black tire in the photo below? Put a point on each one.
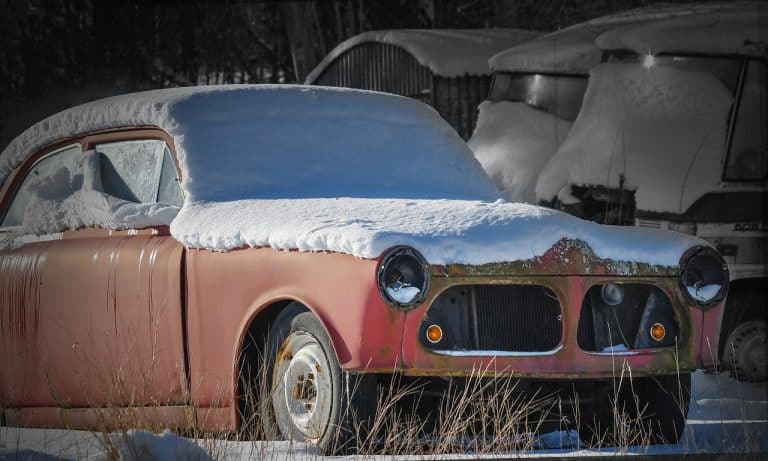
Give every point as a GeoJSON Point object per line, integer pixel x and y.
{"type": "Point", "coordinates": [743, 336]}
{"type": "Point", "coordinates": [338, 406]}
{"type": "Point", "coordinates": [660, 404]}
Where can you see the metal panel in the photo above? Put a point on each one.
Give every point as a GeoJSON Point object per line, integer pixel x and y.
{"type": "Point", "coordinates": [389, 68]}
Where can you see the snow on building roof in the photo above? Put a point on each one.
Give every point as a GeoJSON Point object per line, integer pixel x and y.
{"type": "Point", "coordinates": [324, 169]}
{"type": "Point", "coordinates": [446, 52]}
{"type": "Point", "coordinates": [724, 32]}
{"type": "Point", "coordinates": [573, 49]}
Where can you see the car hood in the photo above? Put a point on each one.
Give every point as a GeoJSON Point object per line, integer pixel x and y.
{"type": "Point", "coordinates": [446, 232]}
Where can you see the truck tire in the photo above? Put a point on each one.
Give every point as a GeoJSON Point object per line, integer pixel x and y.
{"type": "Point", "coordinates": [311, 398]}
{"type": "Point", "coordinates": [745, 351]}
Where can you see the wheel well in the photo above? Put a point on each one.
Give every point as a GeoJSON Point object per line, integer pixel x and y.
{"type": "Point", "coordinates": [251, 356]}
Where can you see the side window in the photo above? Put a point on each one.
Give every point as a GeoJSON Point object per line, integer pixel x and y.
{"type": "Point", "coordinates": [130, 170]}
{"type": "Point", "coordinates": [139, 171]}
{"type": "Point", "coordinates": [170, 190]}
{"type": "Point", "coordinates": [54, 177]}
{"type": "Point", "coordinates": [748, 155]}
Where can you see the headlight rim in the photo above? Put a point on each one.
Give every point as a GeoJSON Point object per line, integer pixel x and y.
{"type": "Point", "coordinates": [686, 260]}
{"type": "Point", "coordinates": [386, 258]}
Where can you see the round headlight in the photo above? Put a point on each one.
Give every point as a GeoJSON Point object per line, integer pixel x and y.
{"type": "Point", "coordinates": [403, 277]}
{"type": "Point", "coordinates": [705, 277]}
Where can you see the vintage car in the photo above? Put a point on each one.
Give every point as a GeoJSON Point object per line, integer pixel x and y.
{"type": "Point", "coordinates": [158, 246]}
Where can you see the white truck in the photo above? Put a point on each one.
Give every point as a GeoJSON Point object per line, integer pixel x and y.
{"type": "Point", "coordinates": [670, 133]}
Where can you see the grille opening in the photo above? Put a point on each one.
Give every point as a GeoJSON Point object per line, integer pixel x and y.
{"type": "Point", "coordinates": [627, 325]}
{"type": "Point", "coordinates": [507, 318]}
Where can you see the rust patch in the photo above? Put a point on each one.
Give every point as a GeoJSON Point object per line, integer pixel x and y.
{"type": "Point", "coordinates": [566, 257]}
{"type": "Point", "coordinates": [20, 281]}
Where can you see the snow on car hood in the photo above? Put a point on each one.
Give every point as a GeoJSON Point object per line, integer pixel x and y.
{"type": "Point", "coordinates": [444, 231]}
{"type": "Point", "coordinates": [661, 128]}
{"type": "Point", "coordinates": [513, 142]}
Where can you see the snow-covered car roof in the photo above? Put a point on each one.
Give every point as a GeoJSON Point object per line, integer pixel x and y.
{"type": "Point", "coordinates": [446, 52]}
{"type": "Point", "coordinates": [325, 169]}
{"type": "Point", "coordinates": [574, 49]}
{"type": "Point", "coordinates": [724, 32]}
{"type": "Point", "coordinates": [354, 136]}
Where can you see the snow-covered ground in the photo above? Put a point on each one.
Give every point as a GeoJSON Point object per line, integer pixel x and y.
{"type": "Point", "coordinates": [726, 416]}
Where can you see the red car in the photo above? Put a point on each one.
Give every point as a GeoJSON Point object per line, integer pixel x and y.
{"type": "Point", "coordinates": [155, 245]}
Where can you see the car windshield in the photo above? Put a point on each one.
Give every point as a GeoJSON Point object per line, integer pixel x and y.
{"type": "Point", "coordinates": [560, 95]}
{"type": "Point", "coordinates": [284, 143]}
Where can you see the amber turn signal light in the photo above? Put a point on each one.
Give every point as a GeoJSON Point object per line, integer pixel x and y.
{"type": "Point", "coordinates": [434, 334]}
{"type": "Point", "coordinates": [658, 331]}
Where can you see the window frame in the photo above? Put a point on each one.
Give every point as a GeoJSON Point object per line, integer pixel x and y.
{"type": "Point", "coordinates": [14, 182]}
{"type": "Point", "coordinates": [86, 141]}
{"type": "Point", "coordinates": [745, 60]}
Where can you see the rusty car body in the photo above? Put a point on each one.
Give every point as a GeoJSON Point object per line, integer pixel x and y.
{"type": "Point", "coordinates": [135, 319]}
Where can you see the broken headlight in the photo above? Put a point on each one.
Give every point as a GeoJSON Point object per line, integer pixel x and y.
{"type": "Point", "coordinates": [704, 278]}
{"type": "Point", "coordinates": [403, 277]}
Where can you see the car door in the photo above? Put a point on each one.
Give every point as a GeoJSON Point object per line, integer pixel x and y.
{"type": "Point", "coordinates": [107, 310]}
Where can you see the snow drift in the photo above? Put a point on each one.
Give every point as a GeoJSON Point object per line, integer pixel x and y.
{"type": "Point", "coordinates": [513, 142]}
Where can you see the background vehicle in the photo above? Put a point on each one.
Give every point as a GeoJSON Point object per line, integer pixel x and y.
{"type": "Point", "coordinates": [537, 91]}
{"type": "Point", "coordinates": [123, 290]}
{"type": "Point", "coordinates": [599, 180]}
{"type": "Point", "coordinates": [445, 68]}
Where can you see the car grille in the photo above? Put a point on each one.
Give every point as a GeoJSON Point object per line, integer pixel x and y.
{"type": "Point", "coordinates": [509, 318]}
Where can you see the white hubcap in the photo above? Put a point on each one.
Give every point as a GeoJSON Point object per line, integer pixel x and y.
{"type": "Point", "coordinates": [303, 387]}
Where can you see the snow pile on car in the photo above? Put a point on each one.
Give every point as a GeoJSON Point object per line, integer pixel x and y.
{"type": "Point", "coordinates": [446, 52]}
{"type": "Point", "coordinates": [444, 231]}
{"type": "Point", "coordinates": [513, 142]}
{"type": "Point", "coordinates": [573, 49]}
{"type": "Point", "coordinates": [725, 32]}
{"type": "Point", "coordinates": [661, 129]}
{"type": "Point", "coordinates": [319, 169]}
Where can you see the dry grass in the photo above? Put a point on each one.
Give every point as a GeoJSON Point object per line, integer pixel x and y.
{"type": "Point", "coordinates": [485, 412]}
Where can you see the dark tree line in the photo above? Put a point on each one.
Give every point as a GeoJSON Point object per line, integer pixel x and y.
{"type": "Point", "coordinates": [56, 54]}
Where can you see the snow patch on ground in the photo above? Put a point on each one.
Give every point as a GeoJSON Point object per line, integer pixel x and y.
{"type": "Point", "coordinates": [513, 142]}
{"type": "Point", "coordinates": [446, 52]}
{"type": "Point", "coordinates": [651, 125]}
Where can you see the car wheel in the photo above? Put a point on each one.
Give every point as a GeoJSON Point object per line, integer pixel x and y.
{"type": "Point", "coordinates": [745, 351]}
{"type": "Point", "coordinates": [311, 398]}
